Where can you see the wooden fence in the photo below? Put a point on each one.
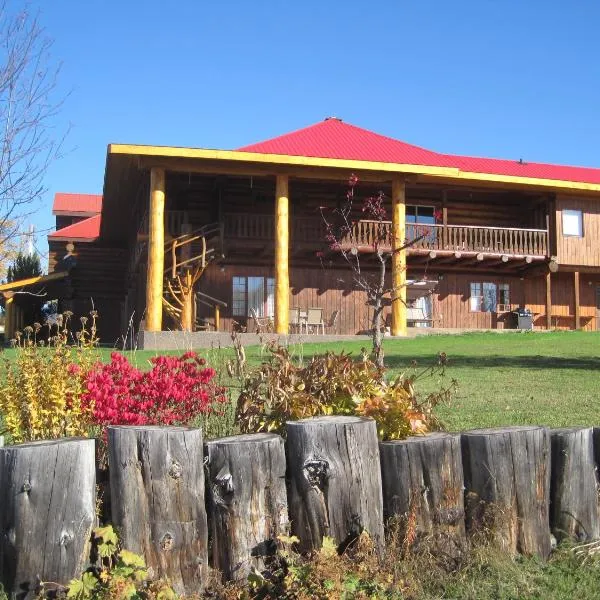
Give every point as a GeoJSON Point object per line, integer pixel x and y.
{"type": "Point", "coordinates": [171, 492]}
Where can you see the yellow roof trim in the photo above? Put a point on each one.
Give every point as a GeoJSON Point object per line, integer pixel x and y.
{"type": "Point", "coordinates": [311, 161]}
{"type": "Point", "coordinates": [5, 287]}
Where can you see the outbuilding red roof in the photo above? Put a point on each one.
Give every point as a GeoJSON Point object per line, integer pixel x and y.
{"type": "Point", "coordinates": [87, 230]}
{"type": "Point", "coordinates": [77, 204]}
{"type": "Point", "coordinates": [332, 138]}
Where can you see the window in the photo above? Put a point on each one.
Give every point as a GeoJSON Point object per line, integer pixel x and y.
{"type": "Point", "coordinates": [572, 223]}
{"type": "Point", "coordinates": [249, 294]}
{"type": "Point", "coordinates": [486, 296]}
{"type": "Point", "coordinates": [420, 214]}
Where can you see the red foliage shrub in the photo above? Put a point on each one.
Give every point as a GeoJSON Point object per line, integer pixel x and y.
{"type": "Point", "coordinates": [173, 392]}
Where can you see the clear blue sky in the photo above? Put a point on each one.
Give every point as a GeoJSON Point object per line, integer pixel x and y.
{"type": "Point", "coordinates": [502, 78]}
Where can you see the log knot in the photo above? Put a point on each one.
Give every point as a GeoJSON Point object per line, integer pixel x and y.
{"type": "Point", "coordinates": [167, 542]}
{"type": "Point", "coordinates": [222, 487]}
{"type": "Point", "coordinates": [175, 470]}
{"type": "Point", "coordinates": [26, 487]}
{"type": "Point", "coordinates": [316, 471]}
{"type": "Point", "coordinates": [66, 537]}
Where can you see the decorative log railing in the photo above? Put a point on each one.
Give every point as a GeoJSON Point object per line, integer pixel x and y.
{"type": "Point", "coordinates": [366, 234]}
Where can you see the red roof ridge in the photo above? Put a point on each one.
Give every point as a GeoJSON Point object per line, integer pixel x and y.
{"type": "Point", "coordinates": [73, 203]}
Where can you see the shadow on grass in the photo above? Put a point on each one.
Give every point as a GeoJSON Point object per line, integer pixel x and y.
{"type": "Point", "coordinates": [497, 361]}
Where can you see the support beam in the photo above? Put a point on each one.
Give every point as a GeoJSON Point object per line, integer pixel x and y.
{"type": "Point", "coordinates": [398, 257]}
{"type": "Point", "coordinates": [9, 327]}
{"type": "Point", "coordinates": [217, 317]}
{"type": "Point", "coordinates": [576, 289]}
{"type": "Point", "coordinates": [549, 300]}
{"type": "Point", "coordinates": [282, 243]}
{"type": "Point", "coordinates": [156, 251]}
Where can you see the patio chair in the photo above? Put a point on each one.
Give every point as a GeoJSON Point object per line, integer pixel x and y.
{"type": "Point", "coordinates": [314, 320]}
{"type": "Point", "coordinates": [294, 320]}
{"type": "Point", "coordinates": [332, 320]}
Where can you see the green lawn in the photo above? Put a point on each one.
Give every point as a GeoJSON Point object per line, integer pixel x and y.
{"type": "Point", "coordinates": [513, 378]}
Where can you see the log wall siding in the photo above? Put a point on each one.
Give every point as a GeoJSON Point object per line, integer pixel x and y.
{"type": "Point", "coordinates": [585, 250]}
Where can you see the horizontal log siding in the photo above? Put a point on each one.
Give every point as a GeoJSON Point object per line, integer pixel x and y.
{"type": "Point", "coordinates": [585, 250]}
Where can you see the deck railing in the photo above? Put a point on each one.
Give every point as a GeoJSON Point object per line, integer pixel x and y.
{"type": "Point", "coordinates": [365, 233]}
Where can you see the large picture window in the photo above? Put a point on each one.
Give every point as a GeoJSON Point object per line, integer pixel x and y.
{"type": "Point", "coordinates": [572, 223]}
{"type": "Point", "coordinates": [485, 296]}
{"type": "Point", "coordinates": [253, 294]}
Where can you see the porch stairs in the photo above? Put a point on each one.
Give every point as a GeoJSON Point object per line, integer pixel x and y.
{"type": "Point", "coordinates": [186, 258]}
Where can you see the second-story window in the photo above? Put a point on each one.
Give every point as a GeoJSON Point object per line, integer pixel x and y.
{"type": "Point", "coordinates": [572, 223]}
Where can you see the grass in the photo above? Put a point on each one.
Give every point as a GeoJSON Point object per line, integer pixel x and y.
{"type": "Point", "coordinates": [503, 379]}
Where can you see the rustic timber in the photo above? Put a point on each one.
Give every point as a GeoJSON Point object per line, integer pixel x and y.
{"type": "Point", "coordinates": [157, 491]}
{"type": "Point", "coordinates": [47, 513]}
{"type": "Point", "coordinates": [423, 484]}
{"type": "Point", "coordinates": [576, 289]}
{"type": "Point", "coordinates": [282, 242]}
{"type": "Point", "coordinates": [334, 480]}
{"type": "Point", "coordinates": [155, 271]}
{"type": "Point", "coordinates": [398, 240]}
{"type": "Point", "coordinates": [248, 501]}
{"type": "Point", "coordinates": [549, 300]}
{"type": "Point", "coordinates": [574, 486]}
{"type": "Point", "coordinates": [507, 484]}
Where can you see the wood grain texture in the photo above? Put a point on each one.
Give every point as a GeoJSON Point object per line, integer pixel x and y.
{"type": "Point", "coordinates": [157, 496]}
{"type": "Point", "coordinates": [574, 487]}
{"type": "Point", "coordinates": [248, 501]}
{"type": "Point", "coordinates": [334, 480]}
{"type": "Point", "coordinates": [507, 485]}
{"type": "Point", "coordinates": [423, 483]}
{"type": "Point", "coordinates": [47, 512]}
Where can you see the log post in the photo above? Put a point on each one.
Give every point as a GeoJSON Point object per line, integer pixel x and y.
{"type": "Point", "coordinates": [334, 480]}
{"type": "Point", "coordinates": [217, 317]}
{"type": "Point", "coordinates": [548, 300]}
{"type": "Point", "coordinates": [157, 497]}
{"type": "Point", "coordinates": [398, 257]}
{"type": "Point", "coordinates": [574, 486]}
{"type": "Point", "coordinates": [576, 289]}
{"type": "Point", "coordinates": [282, 242]}
{"type": "Point", "coordinates": [156, 251]}
{"type": "Point", "coordinates": [423, 484]}
{"type": "Point", "coordinates": [248, 501]}
{"type": "Point", "coordinates": [507, 485]}
{"type": "Point", "coordinates": [47, 513]}
{"type": "Point", "coordinates": [9, 308]}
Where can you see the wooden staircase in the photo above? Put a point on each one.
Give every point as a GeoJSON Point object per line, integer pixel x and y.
{"type": "Point", "coordinates": [186, 258]}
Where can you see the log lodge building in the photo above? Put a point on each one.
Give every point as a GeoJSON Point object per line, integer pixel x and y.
{"type": "Point", "coordinates": [501, 235]}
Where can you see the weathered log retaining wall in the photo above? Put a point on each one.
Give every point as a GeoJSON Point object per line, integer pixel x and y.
{"type": "Point", "coordinates": [184, 503]}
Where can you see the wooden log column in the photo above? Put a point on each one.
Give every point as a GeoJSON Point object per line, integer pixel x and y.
{"type": "Point", "coordinates": [248, 501]}
{"type": "Point", "coordinates": [9, 318]}
{"type": "Point", "coordinates": [423, 483]}
{"type": "Point", "coordinates": [282, 242]}
{"type": "Point", "coordinates": [574, 487]}
{"type": "Point", "coordinates": [157, 500]}
{"type": "Point", "coordinates": [156, 251]}
{"type": "Point", "coordinates": [576, 290]}
{"type": "Point", "coordinates": [507, 487]}
{"type": "Point", "coordinates": [47, 513]}
{"type": "Point", "coordinates": [549, 300]}
{"type": "Point", "coordinates": [334, 480]}
{"type": "Point", "coordinates": [398, 257]}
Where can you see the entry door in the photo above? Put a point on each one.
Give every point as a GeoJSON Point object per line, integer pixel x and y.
{"type": "Point", "coordinates": [598, 307]}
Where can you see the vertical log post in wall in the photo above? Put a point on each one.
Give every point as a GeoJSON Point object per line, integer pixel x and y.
{"type": "Point", "coordinates": [248, 501]}
{"type": "Point", "coordinates": [574, 487]}
{"type": "Point", "coordinates": [399, 311]}
{"type": "Point", "coordinates": [576, 300]}
{"type": "Point", "coordinates": [423, 485]}
{"type": "Point", "coordinates": [282, 242]}
{"type": "Point", "coordinates": [156, 251]}
{"type": "Point", "coordinates": [507, 487]}
{"type": "Point", "coordinates": [47, 513]}
{"type": "Point", "coordinates": [157, 499]}
{"type": "Point", "coordinates": [548, 300]}
{"type": "Point", "coordinates": [335, 480]}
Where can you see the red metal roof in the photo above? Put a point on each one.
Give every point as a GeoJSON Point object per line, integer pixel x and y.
{"type": "Point", "coordinates": [77, 204]}
{"type": "Point", "coordinates": [333, 138]}
{"type": "Point", "coordinates": [87, 230]}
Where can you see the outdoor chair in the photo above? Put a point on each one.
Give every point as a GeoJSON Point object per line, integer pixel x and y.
{"type": "Point", "coordinates": [330, 325]}
{"type": "Point", "coordinates": [314, 320]}
{"type": "Point", "coordinates": [295, 322]}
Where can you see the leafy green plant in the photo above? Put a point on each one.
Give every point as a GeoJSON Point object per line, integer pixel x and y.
{"type": "Point", "coordinates": [122, 575]}
{"type": "Point", "coordinates": [280, 390]}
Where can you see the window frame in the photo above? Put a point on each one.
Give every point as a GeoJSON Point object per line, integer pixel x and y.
{"type": "Point", "coordinates": [477, 291]}
{"type": "Point", "coordinates": [268, 292]}
{"type": "Point", "coordinates": [576, 213]}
